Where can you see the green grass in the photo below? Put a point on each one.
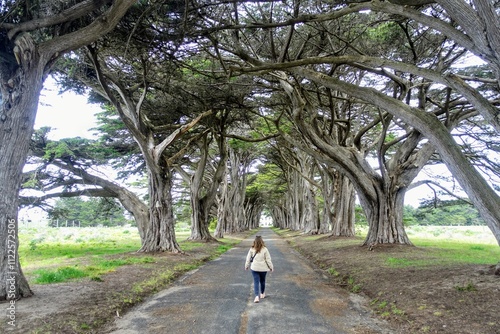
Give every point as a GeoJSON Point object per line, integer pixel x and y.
{"type": "Point", "coordinates": [399, 262]}
{"type": "Point", "coordinates": [49, 246]}
{"type": "Point", "coordinates": [445, 252]}
{"type": "Point", "coordinates": [460, 252]}
{"type": "Point", "coordinates": [332, 271]}
{"type": "Point", "coordinates": [314, 237]}
{"type": "Point", "coordinates": [187, 246]}
{"type": "Point", "coordinates": [97, 268]}
{"type": "Point", "coordinates": [46, 276]}
{"type": "Point", "coordinates": [51, 255]}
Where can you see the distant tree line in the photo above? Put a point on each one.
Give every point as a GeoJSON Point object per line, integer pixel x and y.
{"type": "Point", "coordinates": [450, 213]}
{"type": "Point", "coordinates": [77, 211]}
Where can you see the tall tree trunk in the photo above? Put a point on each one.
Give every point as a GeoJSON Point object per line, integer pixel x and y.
{"type": "Point", "coordinates": [253, 211]}
{"type": "Point", "coordinates": [385, 220]}
{"type": "Point", "coordinates": [222, 213]}
{"type": "Point", "coordinates": [294, 200]}
{"type": "Point", "coordinates": [327, 190]}
{"type": "Point", "coordinates": [280, 217]}
{"type": "Point", "coordinates": [201, 205]}
{"type": "Point", "coordinates": [344, 205]}
{"type": "Point", "coordinates": [233, 215]}
{"type": "Point", "coordinates": [22, 72]}
{"type": "Point", "coordinates": [310, 215]}
{"type": "Point", "coordinates": [160, 236]}
{"type": "Point", "coordinates": [20, 89]}
{"type": "Point", "coordinates": [199, 220]}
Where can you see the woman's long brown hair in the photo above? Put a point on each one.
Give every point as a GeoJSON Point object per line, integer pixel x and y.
{"type": "Point", "coordinates": [258, 243]}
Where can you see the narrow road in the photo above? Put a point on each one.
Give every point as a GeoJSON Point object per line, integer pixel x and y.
{"type": "Point", "coordinates": [218, 299]}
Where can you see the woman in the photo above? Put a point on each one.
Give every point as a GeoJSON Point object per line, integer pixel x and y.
{"type": "Point", "coordinates": [259, 261]}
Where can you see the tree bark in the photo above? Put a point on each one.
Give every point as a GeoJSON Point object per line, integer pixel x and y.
{"type": "Point", "coordinates": [385, 218]}
{"type": "Point", "coordinates": [232, 216]}
{"type": "Point", "coordinates": [344, 205]}
{"type": "Point", "coordinates": [199, 220]}
{"type": "Point", "coordinates": [160, 236]}
{"type": "Point", "coordinates": [21, 84]}
{"type": "Point", "coordinates": [20, 89]}
{"type": "Point", "coordinates": [201, 205]}
{"type": "Point", "coordinates": [222, 213]}
{"type": "Point", "coordinates": [280, 217]}
{"type": "Point", "coordinates": [253, 212]}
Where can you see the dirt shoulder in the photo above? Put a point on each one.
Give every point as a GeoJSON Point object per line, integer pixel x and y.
{"type": "Point", "coordinates": [85, 306]}
{"type": "Point", "coordinates": [414, 299]}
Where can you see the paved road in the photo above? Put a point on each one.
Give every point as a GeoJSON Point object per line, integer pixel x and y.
{"type": "Point", "coordinates": [218, 299]}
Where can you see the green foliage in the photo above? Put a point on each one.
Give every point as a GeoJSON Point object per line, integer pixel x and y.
{"type": "Point", "coordinates": [448, 214]}
{"type": "Point", "coordinates": [452, 215]}
{"type": "Point", "coordinates": [80, 151]}
{"type": "Point", "coordinates": [384, 32]}
{"type": "Point", "coordinates": [359, 216]}
{"type": "Point", "coordinates": [268, 182]}
{"type": "Point", "coordinates": [90, 212]}
{"type": "Point", "coordinates": [212, 224]}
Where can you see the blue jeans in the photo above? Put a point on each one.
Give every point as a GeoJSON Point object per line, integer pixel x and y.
{"type": "Point", "coordinates": [259, 278]}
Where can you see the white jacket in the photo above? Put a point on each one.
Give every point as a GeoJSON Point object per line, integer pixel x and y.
{"type": "Point", "coordinates": [261, 261]}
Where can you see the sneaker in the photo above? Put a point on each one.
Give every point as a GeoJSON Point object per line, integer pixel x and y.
{"type": "Point", "coordinates": [262, 295]}
{"type": "Point", "coordinates": [256, 300]}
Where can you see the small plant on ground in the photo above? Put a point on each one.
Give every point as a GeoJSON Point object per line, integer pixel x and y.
{"type": "Point", "coordinates": [353, 287]}
{"type": "Point", "coordinates": [397, 311]}
{"type": "Point", "coordinates": [332, 271]}
{"type": "Point", "coordinates": [385, 309]}
{"type": "Point", "coordinates": [467, 288]}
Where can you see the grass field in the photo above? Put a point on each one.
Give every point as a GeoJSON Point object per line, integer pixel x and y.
{"type": "Point", "coordinates": [448, 245]}
{"type": "Point", "coordinates": [52, 255]}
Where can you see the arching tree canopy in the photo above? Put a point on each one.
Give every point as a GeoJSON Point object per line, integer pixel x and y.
{"type": "Point", "coordinates": [293, 107]}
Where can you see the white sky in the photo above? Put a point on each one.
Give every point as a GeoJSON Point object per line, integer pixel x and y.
{"type": "Point", "coordinates": [69, 115]}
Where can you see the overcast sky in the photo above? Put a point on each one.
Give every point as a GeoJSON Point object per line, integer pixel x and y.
{"type": "Point", "coordinates": [69, 114]}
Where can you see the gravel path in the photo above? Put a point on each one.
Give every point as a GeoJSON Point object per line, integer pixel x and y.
{"type": "Point", "coordinates": [218, 298]}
